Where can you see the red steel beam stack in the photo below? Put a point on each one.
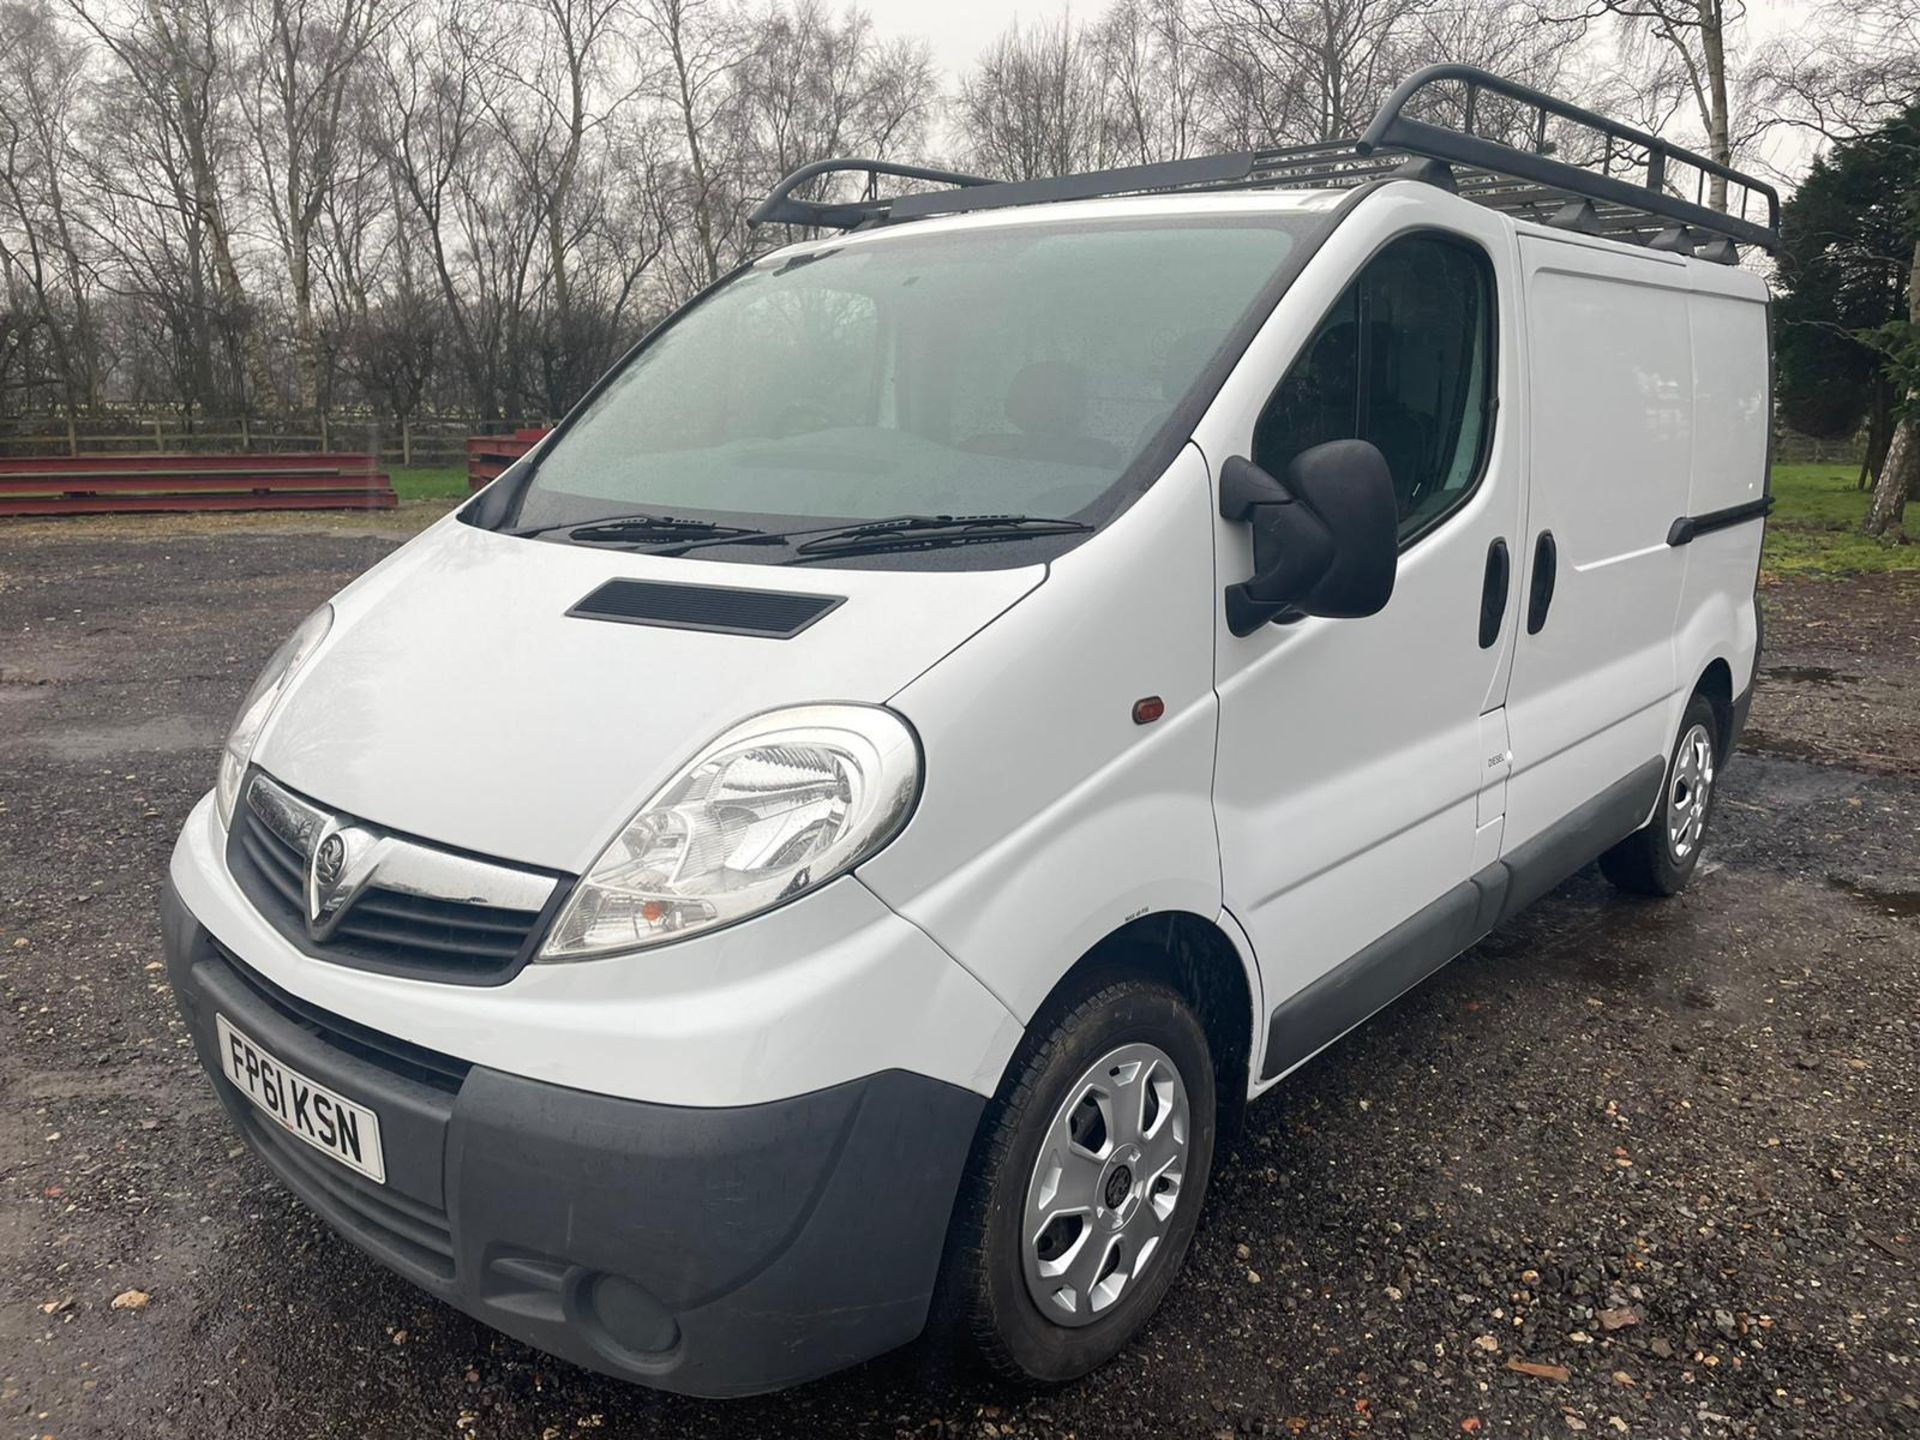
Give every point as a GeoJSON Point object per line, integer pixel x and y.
{"type": "Point", "coordinates": [131, 484]}
{"type": "Point", "coordinates": [488, 455]}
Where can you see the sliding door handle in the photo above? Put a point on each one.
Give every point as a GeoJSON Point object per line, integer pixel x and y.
{"type": "Point", "coordinates": [1546, 565]}
{"type": "Point", "coordinates": [1493, 593]}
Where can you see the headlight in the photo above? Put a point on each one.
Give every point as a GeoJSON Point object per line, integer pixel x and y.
{"type": "Point", "coordinates": [266, 693]}
{"type": "Point", "coordinates": [776, 806]}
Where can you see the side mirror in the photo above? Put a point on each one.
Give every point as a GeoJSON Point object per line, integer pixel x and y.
{"type": "Point", "coordinates": [1325, 542]}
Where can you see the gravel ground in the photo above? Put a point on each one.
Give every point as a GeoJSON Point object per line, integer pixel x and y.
{"type": "Point", "coordinates": [1626, 1168]}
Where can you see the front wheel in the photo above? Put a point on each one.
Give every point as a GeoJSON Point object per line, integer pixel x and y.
{"type": "Point", "coordinates": [1659, 859]}
{"type": "Point", "coordinates": [1086, 1185]}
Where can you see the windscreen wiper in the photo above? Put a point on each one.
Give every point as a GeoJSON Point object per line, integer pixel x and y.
{"type": "Point", "coordinates": [930, 532]}
{"type": "Point", "coordinates": [676, 536]}
{"type": "Point", "coordinates": [644, 529]}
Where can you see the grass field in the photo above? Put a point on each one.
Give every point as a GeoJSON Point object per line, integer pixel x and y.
{"type": "Point", "coordinates": [423, 482]}
{"type": "Point", "coordinates": [1815, 526]}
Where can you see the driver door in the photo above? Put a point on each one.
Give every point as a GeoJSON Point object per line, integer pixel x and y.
{"type": "Point", "coordinates": [1361, 763]}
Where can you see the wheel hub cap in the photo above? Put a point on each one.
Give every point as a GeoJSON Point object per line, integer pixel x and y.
{"type": "Point", "coordinates": [1106, 1183]}
{"type": "Point", "coordinates": [1689, 789]}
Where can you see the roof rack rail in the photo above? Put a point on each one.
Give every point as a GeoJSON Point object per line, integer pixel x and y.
{"type": "Point", "coordinates": [1393, 130]}
{"type": "Point", "coordinates": [1633, 195]}
{"type": "Point", "coordinates": [782, 208]}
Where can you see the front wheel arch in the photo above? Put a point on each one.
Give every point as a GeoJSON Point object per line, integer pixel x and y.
{"type": "Point", "coordinates": [1196, 958]}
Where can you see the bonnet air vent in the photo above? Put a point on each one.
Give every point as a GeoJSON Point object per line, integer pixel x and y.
{"type": "Point", "coordinates": [772, 614]}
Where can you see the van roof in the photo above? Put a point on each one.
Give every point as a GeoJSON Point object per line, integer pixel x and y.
{"type": "Point", "coordinates": [1118, 207]}
{"type": "Point", "coordinates": [1619, 182]}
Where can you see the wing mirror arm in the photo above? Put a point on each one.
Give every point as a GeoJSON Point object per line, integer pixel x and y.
{"type": "Point", "coordinates": [1325, 541]}
{"type": "Point", "coordinates": [1292, 547]}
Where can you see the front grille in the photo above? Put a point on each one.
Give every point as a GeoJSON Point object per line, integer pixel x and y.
{"type": "Point", "coordinates": [390, 1053]}
{"type": "Point", "coordinates": [482, 934]}
{"type": "Point", "coordinates": [407, 1232]}
{"type": "Point", "coordinates": [384, 928]}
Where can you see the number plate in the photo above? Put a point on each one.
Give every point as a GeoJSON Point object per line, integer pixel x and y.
{"type": "Point", "coordinates": [330, 1123]}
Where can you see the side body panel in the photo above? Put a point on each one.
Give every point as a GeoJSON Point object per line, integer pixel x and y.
{"type": "Point", "coordinates": [1611, 381]}
{"type": "Point", "coordinates": [1049, 818]}
{"type": "Point", "coordinates": [1352, 782]}
{"type": "Point", "coordinates": [1732, 420]}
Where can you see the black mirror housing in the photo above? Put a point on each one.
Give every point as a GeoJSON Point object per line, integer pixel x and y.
{"type": "Point", "coordinates": [1325, 542]}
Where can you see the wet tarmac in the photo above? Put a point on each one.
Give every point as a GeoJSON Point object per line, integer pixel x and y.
{"type": "Point", "coordinates": [1669, 1149]}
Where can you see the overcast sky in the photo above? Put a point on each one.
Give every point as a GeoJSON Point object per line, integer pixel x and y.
{"type": "Point", "coordinates": [959, 30]}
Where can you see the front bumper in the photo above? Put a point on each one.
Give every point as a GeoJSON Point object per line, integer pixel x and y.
{"type": "Point", "coordinates": [710, 1251]}
{"type": "Point", "coordinates": [806, 997]}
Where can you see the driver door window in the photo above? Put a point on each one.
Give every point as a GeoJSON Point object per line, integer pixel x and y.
{"type": "Point", "coordinates": [1404, 359]}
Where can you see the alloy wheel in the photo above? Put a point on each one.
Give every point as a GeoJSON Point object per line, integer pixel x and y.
{"type": "Point", "coordinates": [1688, 790]}
{"type": "Point", "coordinates": [1106, 1183]}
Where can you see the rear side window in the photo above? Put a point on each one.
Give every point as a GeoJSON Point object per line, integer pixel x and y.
{"type": "Point", "coordinates": [1405, 360]}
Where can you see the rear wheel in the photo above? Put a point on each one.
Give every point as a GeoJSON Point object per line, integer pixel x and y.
{"type": "Point", "coordinates": [1086, 1186]}
{"type": "Point", "coordinates": [1659, 858]}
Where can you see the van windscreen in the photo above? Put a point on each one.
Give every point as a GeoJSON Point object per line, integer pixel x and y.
{"type": "Point", "coordinates": [1015, 369]}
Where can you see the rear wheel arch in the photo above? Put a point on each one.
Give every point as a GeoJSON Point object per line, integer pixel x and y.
{"type": "Point", "coordinates": [1716, 684]}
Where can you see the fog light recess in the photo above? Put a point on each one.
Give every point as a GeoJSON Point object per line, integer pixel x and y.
{"type": "Point", "coordinates": [627, 1320]}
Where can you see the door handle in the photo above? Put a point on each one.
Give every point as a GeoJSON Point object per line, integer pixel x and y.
{"type": "Point", "coordinates": [1493, 593]}
{"type": "Point", "coordinates": [1546, 566]}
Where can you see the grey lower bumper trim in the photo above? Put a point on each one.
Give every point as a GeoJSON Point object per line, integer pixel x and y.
{"type": "Point", "coordinates": [710, 1251]}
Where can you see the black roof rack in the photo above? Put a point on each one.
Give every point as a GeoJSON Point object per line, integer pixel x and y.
{"type": "Point", "coordinates": [1617, 181]}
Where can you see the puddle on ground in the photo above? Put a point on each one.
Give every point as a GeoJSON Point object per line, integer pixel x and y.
{"type": "Point", "coordinates": [1809, 675]}
{"type": "Point", "coordinates": [1904, 903]}
{"type": "Point", "coordinates": [1757, 741]}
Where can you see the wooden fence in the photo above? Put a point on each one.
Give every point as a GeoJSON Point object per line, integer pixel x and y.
{"type": "Point", "coordinates": [439, 440]}
{"type": "Point", "coordinates": [1792, 448]}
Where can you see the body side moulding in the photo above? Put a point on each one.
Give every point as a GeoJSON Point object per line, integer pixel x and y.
{"type": "Point", "coordinates": [1423, 943]}
{"type": "Point", "coordinates": [1687, 527]}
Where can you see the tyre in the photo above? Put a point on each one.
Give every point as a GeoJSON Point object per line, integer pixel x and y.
{"type": "Point", "coordinates": [1085, 1184]}
{"type": "Point", "coordinates": [1659, 858]}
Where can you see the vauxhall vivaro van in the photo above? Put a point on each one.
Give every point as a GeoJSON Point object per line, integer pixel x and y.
{"type": "Point", "coordinates": [819, 848]}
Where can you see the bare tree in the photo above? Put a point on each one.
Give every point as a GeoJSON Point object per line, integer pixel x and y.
{"type": "Point", "coordinates": [303, 57]}
{"type": "Point", "coordinates": [173, 118]}
{"type": "Point", "coordinates": [178, 83]}
{"type": "Point", "coordinates": [1310, 70]}
{"type": "Point", "coordinates": [813, 86]}
{"type": "Point", "coordinates": [1153, 74]}
{"type": "Point", "coordinates": [700, 45]}
{"type": "Point", "coordinates": [1676, 48]}
{"type": "Point", "coordinates": [42, 77]}
{"type": "Point", "coordinates": [557, 65]}
{"type": "Point", "coordinates": [410, 204]}
{"type": "Point", "coordinates": [1847, 68]}
{"type": "Point", "coordinates": [1507, 38]}
{"type": "Point", "coordinates": [1033, 104]}
{"type": "Point", "coordinates": [447, 164]}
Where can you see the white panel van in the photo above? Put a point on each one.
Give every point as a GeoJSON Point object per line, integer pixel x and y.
{"type": "Point", "coordinates": [820, 849]}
